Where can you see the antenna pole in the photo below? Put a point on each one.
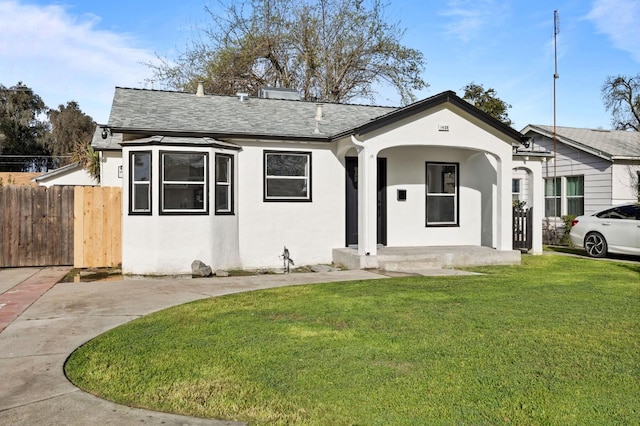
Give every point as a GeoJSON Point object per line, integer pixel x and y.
{"type": "Point", "coordinates": [556, 30]}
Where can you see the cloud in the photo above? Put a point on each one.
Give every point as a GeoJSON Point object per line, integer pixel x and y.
{"type": "Point", "coordinates": [470, 17]}
{"type": "Point", "coordinates": [619, 19]}
{"type": "Point", "coordinates": [65, 57]}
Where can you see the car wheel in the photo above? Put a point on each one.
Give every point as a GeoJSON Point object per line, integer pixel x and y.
{"type": "Point", "coordinates": [595, 245]}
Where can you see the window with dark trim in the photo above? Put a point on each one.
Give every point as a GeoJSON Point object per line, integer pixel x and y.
{"type": "Point", "coordinates": [442, 194]}
{"type": "Point", "coordinates": [140, 182]}
{"type": "Point", "coordinates": [224, 184]}
{"type": "Point", "coordinates": [287, 176]}
{"type": "Point", "coordinates": [183, 181]}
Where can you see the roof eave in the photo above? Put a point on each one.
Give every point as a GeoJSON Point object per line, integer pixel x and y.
{"type": "Point", "coordinates": [221, 136]}
{"type": "Point", "coordinates": [570, 142]}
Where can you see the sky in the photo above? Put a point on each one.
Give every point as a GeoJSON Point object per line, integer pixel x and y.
{"type": "Point", "coordinates": [81, 50]}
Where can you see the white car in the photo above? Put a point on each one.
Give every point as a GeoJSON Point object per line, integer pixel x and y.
{"type": "Point", "coordinates": [612, 230]}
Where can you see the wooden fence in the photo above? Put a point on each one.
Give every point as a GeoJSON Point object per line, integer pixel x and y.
{"type": "Point", "coordinates": [36, 226]}
{"type": "Point", "coordinates": [60, 225]}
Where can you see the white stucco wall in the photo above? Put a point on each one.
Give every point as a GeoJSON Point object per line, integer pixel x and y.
{"type": "Point", "coordinates": [110, 162]}
{"type": "Point", "coordinates": [309, 230]}
{"type": "Point", "coordinates": [167, 244]}
{"type": "Point", "coordinates": [406, 169]}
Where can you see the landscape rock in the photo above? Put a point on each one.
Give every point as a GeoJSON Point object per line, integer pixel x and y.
{"type": "Point", "coordinates": [221, 273]}
{"type": "Point", "coordinates": [199, 269]}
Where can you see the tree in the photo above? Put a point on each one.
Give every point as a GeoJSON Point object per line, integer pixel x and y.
{"type": "Point", "coordinates": [23, 134]}
{"type": "Point", "coordinates": [329, 50]}
{"type": "Point", "coordinates": [72, 131]}
{"type": "Point", "coordinates": [488, 101]}
{"type": "Point", "coordinates": [621, 96]}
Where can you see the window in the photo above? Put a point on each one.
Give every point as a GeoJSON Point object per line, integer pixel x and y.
{"type": "Point", "coordinates": [515, 189]}
{"type": "Point", "coordinates": [442, 194]}
{"type": "Point", "coordinates": [224, 184]}
{"type": "Point", "coordinates": [140, 178]}
{"type": "Point", "coordinates": [575, 195]}
{"type": "Point", "coordinates": [287, 176]}
{"type": "Point", "coordinates": [552, 197]}
{"type": "Point", "coordinates": [184, 182]}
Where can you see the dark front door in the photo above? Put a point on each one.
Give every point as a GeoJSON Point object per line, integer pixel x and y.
{"type": "Point", "coordinates": [351, 165]}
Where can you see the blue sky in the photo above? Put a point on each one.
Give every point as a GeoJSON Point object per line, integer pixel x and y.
{"type": "Point", "coordinates": [81, 49]}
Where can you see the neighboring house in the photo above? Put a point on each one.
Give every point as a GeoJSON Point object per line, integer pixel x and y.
{"type": "Point", "coordinates": [592, 169]}
{"type": "Point", "coordinates": [231, 180]}
{"type": "Point", "coordinates": [71, 174]}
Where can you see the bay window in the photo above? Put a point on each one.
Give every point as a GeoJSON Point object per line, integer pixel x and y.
{"type": "Point", "coordinates": [224, 184]}
{"type": "Point", "coordinates": [140, 183]}
{"type": "Point", "coordinates": [184, 177]}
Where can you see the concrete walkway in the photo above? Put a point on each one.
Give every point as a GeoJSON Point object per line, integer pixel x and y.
{"type": "Point", "coordinates": [44, 322]}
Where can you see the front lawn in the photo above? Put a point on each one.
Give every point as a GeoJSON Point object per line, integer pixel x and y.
{"type": "Point", "coordinates": [553, 341]}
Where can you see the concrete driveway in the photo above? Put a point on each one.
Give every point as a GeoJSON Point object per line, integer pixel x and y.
{"type": "Point", "coordinates": [35, 344]}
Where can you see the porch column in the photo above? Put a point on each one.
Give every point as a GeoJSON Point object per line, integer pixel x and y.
{"type": "Point", "coordinates": [367, 200]}
{"type": "Point", "coordinates": [504, 204]}
{"type": "Point", "coordinates": [536, 201]}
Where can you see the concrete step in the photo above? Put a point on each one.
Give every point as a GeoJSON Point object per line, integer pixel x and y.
{"type": "Point", "coordinates": [409, 259]}
{"type": "Point", "coordinates": [446, 260]}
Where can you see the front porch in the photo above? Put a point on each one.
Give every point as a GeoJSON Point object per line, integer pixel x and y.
{"type": "Point", "coordinates": [408, 259]}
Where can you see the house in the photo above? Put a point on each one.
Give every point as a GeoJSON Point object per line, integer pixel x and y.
{"type": "Point", "coordinates": [71, 174]}
{"type": "Point", "coordinates": [592, 168]}
{"type": "Point", "coordinates": [233, 180]}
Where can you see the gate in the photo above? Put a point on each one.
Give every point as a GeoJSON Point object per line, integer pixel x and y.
{"type": "Point", "coordinates": [522, 228]}
{"type": "Point", "coordinates": [36, 226]}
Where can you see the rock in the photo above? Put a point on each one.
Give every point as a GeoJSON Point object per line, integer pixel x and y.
{"type": "Point", "coordinates": [199, 269]}
{"type": "Point", "coordinates": [321, 268]}
{"type": "Point", "coordinates": [221, 273]}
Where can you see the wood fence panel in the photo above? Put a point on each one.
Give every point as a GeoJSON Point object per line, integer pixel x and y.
{"type": "Point", "coordinates": [97, 227]}
{"type": "Point", "coordinates": [35, 224]}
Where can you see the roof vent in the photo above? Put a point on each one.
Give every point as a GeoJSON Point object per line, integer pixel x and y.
{"type": "Point", "coordinates": [318, 112]}
{"type": "Point", "coordinates": [200, 92]}
{"type": "Point", "coordinates": [243, 96]}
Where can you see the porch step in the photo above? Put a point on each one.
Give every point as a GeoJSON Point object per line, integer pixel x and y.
{"type": "Point", "coordinates": [445, 259]}
{"type": "Point", "coordinates": [412, 259]}
{"type": "Point", "coordinates": [418, 264]}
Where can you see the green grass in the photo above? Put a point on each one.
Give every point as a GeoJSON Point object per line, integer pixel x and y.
{"type": "Point", "coordinates": [554, 341]}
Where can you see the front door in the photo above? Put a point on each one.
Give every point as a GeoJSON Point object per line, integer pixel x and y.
{"type": "Point", "coordinates": [351, 165]}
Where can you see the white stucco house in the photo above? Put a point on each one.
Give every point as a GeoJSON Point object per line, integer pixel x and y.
{"type": "Point", "coordinates": [592, 168]}
{"type": "Point", "coordinates": [233, 180]}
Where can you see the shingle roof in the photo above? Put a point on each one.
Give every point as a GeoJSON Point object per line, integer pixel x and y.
{"type": "Point", "coordinates": [179, 112]}
{"type": "Point", "coordinates": [610, 144]}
